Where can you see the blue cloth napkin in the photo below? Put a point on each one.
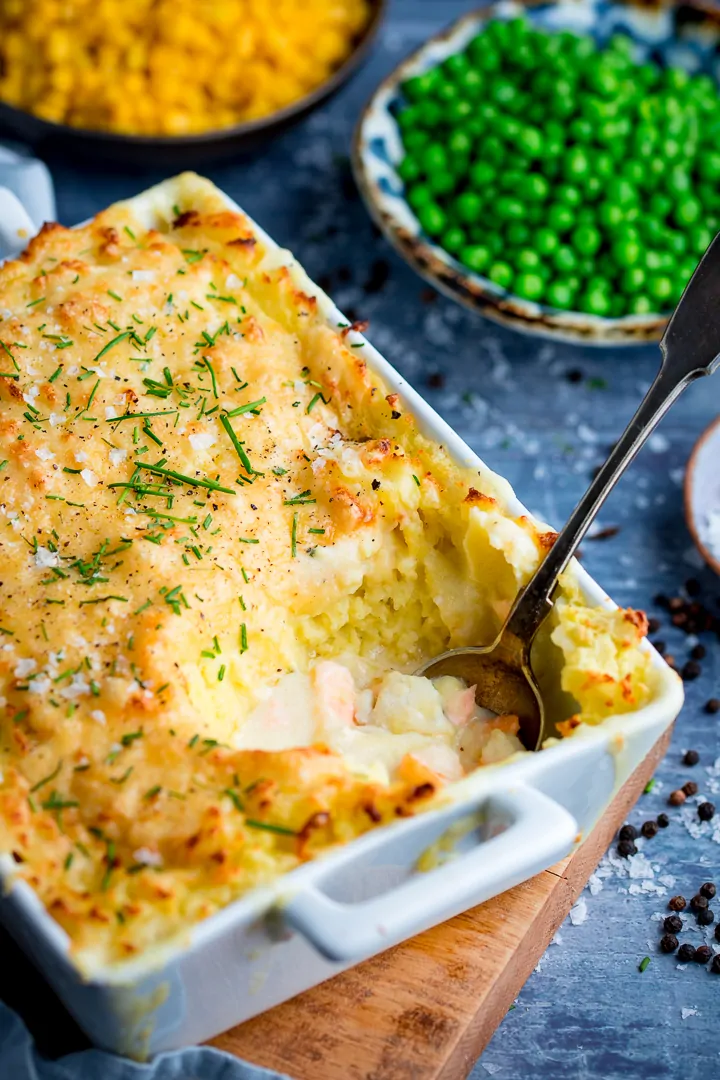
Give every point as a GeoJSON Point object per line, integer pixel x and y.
{"type": "Point", "coordinates": [19, 1060]}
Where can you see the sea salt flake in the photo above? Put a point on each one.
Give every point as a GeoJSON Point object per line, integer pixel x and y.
{"type": "Point", "coordinates": [147, 857]}
{"type": "Point", "coordinates": [685, 1012]}
{"type": "Point", "coordinates": [44, 454]}
{"type": "Point", "coordinates": [203, 440]}
{"type": "Point", "coordinates": [24, 667]}
{"type": "Point", "coordinates": [98, 716]}
{"type": "Point", "coordinates": [579, 912]}
{"type": "Point", "coordinates": [89, 477]}
{"type": "Point", "coordinates": [117, 456]}
{"type": "Point", "coordinates": [143, 275]}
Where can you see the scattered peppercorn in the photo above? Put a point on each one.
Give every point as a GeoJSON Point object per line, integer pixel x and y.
{"type": "Point", "coordinates": [677, 798]}
{"type": "Point", "coordinates": [698, 653]}
{"type": "Point", "coordinates": [703, 953]}
{"type": "Point", "coordinates": [673, 924]}
{"type": "Point", "coordinates": [660, 646]}
{"type": "Point", "coordinates": [626, 848]}
{"type": "Point", "coordinates": [574, 376]}
{"type": "Point", "coordinates": [653, 625]}
{"type": "Point", "coordinates": [708, 889]}
{"type": "Point", "coordinates": [713, 705]}
{"type": "Point", "coordinates": [715, 966]}
{"type": "Point", "coordinates": [690, 788]}
{"type": "Point", "coordinates": [663, 821]}
{"type": "Point", "coordinates": [436, 380]}
{"type": "Point", "coordinates": [649, 829]}
{"type": "Point", "coordinates": [627, 832]}
{"type": "Point", "coordinates": [699, 902]}
{"type": "Point", "coordinates": [668, 943]}
{"type": "Point", "coordinates": [686, 953]}
{"type": "Point", "coordinates": [691, 757]}
{"type": "Point", "coordinates": [706, 811]}
{"type": "Point", "coordinates": [677, 903]}
{"type": "Point", "coordinates": [706, 918]}
{"type": "Point", "coordinates": [692, 587]}
{"type": "Point", "coordinates": [691, 670]}
{"type": "Point", "coordinates": [676, 603]}
{"type": "Point", "coordinates": [661, 600]}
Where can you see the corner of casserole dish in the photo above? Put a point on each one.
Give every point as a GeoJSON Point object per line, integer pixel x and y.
{"type": "Point", "coordinates": [226, 545]}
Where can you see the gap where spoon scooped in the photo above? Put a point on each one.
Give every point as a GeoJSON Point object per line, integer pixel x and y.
{"type": "Point", "coordinates": [502, 671]}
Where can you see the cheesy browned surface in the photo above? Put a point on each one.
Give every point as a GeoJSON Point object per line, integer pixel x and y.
{"type": "Point", "coordinates": [203, 488]}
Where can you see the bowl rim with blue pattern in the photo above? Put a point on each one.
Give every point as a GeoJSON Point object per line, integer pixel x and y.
{"type": "Point", "coordinates": [377, 150]}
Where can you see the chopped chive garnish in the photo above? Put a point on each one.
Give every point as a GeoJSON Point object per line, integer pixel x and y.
{"type": "Point", "coordinates": [247, 540]}
{"type": "Point", "coordinates": [644, 963]}
{"type": "Point", "coordinates": [314, 401]}
{"type": "Point", "coordinates": [47, 779]}
{"type": "Point", "coordinates": [55, 373]}
{"type": "Point", "coordinates": [293, 535]}
{"type": "Point", "coordinates": [250, 407]}
{"type": "Point", "coordinates": [243, 635]}
{"type": "Point", "coordinates": [114, 295]}
{"type": "Point", "coordinates": [34, 303]}
{"type": "Point", "coordinates": [221, 673]}
{"type": "Point", "coordinates": [280, 829]}
{"type": "Point", "coordinates": [299, 500]}
{"type": "Point", "coordinates": [237, 803]}
{"type": "Point", "coordinates": [115, 341]}
{"type": "Point", "coordinates": [317, 532]}
{"type": "Point", "coordinates": [152, 792]}
{"type": "Point", "coordinates": [416, 479]}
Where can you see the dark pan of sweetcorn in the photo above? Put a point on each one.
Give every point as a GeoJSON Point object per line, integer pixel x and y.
{"type": "Point", "coordinates": [183, 151]}
{"type": "Point", "coordinates": [682, 37]}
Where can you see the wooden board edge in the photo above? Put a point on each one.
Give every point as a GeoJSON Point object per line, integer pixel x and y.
{"type": "Point", "coordinates": [572, 875]}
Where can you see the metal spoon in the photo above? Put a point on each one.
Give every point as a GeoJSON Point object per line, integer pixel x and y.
{"type": "Point", "coordinates": [502, 672]}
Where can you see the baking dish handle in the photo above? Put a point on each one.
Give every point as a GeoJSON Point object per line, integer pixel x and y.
{"type": "Point", "coordinates": [16, 226]}
{"type": "Point", "coordinates": [539, 832]}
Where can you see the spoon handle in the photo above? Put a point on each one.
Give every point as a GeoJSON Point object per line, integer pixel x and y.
{"type": "Point", "coordinates": [690, 348]}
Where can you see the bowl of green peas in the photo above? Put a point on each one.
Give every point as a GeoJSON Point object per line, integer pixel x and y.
{"type": "Point", "coordinates": [555, 167]}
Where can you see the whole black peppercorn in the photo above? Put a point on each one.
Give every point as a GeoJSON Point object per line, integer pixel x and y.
{"type": "Point", "coordinates": [661, 600]}
{"type": "Point", "coordinates": [663, 821]}
{"type": "Point", "coordinates": [690, 788]}
{"type": "Point", "coordinates": [691, 670]}
{"type": "Point", "coordinates": [692, 587]}
{"type": "Point", "coordinates": [708, 889]}
{"type": "Point", "coordinates": [628, 832]}
{"type": "Point", "coordinates": [691, 757]}
{"type": "Point", "coordinates": [653, 625]}
{"type": "Point", "coordinates": [717, 932]}
{"type": "Point", "coordinates": [677, 903]}
{"type": "Point", "coordinates": [699, 903]}
{"type": "Point", "coordinates": [698, 653]}
{"type": "Point", "coordinates": [574, 376]}
{"type": "Point", "coordinates": [686, 953]}
{"type": "Point", "coordinates": [715, 966]}
{"type": "Point", "coordinates": [706, 811]}
{"type": "Point", "coordinates": [706, 918]}
{"type": "Point", "coordinates": [673, 924]}
{"type": "Point", "coordinates": [626, 848]}
{"type": "Point", "coordinates": [668, 943]}
{"type": "Point", "coordinates": [660, 646]}
{"type": "Point", "coordinates": [649, 829]}
{"type": "Point", "coordinates": [713, 705]}
{"type": "Point", "coordinates": [677, 798]}
{"type": "Point", "coordinates": [703, 953]}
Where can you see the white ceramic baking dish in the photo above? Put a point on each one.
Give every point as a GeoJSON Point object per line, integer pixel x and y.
{"type": "Point", "coordinates": [505, 824]}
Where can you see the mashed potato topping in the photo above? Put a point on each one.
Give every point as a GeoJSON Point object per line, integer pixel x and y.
{"type": "Point", "coordinates": [226, 546]}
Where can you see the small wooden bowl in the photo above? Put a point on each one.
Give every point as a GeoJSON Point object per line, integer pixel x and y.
{"type": "Point", "coordinates": [702, 491]}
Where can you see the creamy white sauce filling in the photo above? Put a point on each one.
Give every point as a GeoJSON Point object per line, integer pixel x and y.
{"type": "Point", "coordinates": [436, 721]}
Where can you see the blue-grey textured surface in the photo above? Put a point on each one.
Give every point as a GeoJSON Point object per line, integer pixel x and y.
{"type": "Point", "coordinates": [586, 1011]}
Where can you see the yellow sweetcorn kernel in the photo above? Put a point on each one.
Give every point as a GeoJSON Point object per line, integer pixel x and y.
{"type": "Point", "coordinates": [153, 67]}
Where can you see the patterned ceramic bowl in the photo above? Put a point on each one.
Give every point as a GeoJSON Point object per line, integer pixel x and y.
{"type": "Point", "coordinates": [682, 36]}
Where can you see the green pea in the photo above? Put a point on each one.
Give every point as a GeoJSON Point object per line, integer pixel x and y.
{"type": "Point", "coordinates": [610, 215]}
{"type": "Point", "coordinates": [586, 239]}
{"type": "Point", "coordinates": [468, 207]}
{"type": "Point", "coordinates": [493, 149]}
{"type": "Point", "coordinates": [641, 305]}
{"type": "Point", "coordinates": [660, 204]}
{"type": "Point", "coordinates": [700, 238]}
{"type": "Point", "coordinates": [456, 66]}
{"type": "Point", "coordinates": [709, 166]}
{"type": "Point", "coordinates": [594, 187]}
{"type": "Point", "coordinates": [595, 301]}
{"type": "Point", "coordinates": [626, 252]}
{"type": "Point", "coordinates": [546, 241]}
{"type": "Point", "coordinates": [633, 279]}
{"type": "Point", "coordinates": [530, 142]}
{"type": "Point", "coordinates": [408, 170]}
{"type": "Point", "coordinates": [529, 285]}
{"type": "Point", "coordinates": [635, 172]}
{"type": "Point", "coordinates": [676, 242]}
{"type": "Point", "coordinates": [421, 86]}
{"type": "Point", "coordinates": [429, 114]}
{"type": "Point", "coordinates": [621, 191]}
{"type": "Point", "coordinates": [569, 195]}
{"type": "Point", "coordinates": [446, 93]}
{"type": "Point", "coordinates": [687, 211]}
{"type": "Point", "coordinates": [471, 83]}
{"type": "Point", "coordinates": [660, 288]}
{"type": "Point", "coordinates": [477, 257]}
{"type": "Point", "coordinates": [576, 164]}
{"type": "Point", "coordinates": [517, 233]}
{"type": "Point", "coordinates": [434, 157]}
{"type": "Point", "coordinates": [533, 187]}
{"type": "Point", "coordinates": [678, 180]}
{"type": "Point", "coordinates": [509, 209]}
{"type": "Point", "coordinates": [415, 141]}
{"type": "Point", "coordinates": [527, 259]}
{"type": "Point", "coordinates": [407, 119]}
{"type": "Point", "coordinates": [441, 182]}
{"type": "Point", "coordinates": [432, 218]}
{"type": "Point", "coordinates": [560, 295]}
{"type": "Point", "coordinates": [481, 174]}
{"type": "Point", "coordinates": [459, 143]}
{"type": "Point", "coordinates": [504, 93]}
{"type": "Point", "coordinates": [453, 240]}
{"type": "Point", "coordinates": [459, 109]}
{"type": "Point", "coordinates": [564, 259]}
{"type": "Point", "coordinates": [501, 274]}
{"type": "Point", "coordinates": [603, 165]}
{"type": "Point", "coordinates": [419, 195]}
{"type": "Point", "coordinates": [560, 218]}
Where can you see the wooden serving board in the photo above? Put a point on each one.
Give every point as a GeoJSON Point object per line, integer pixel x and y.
{"type": "Point", "coordinates": [426, 1009]}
